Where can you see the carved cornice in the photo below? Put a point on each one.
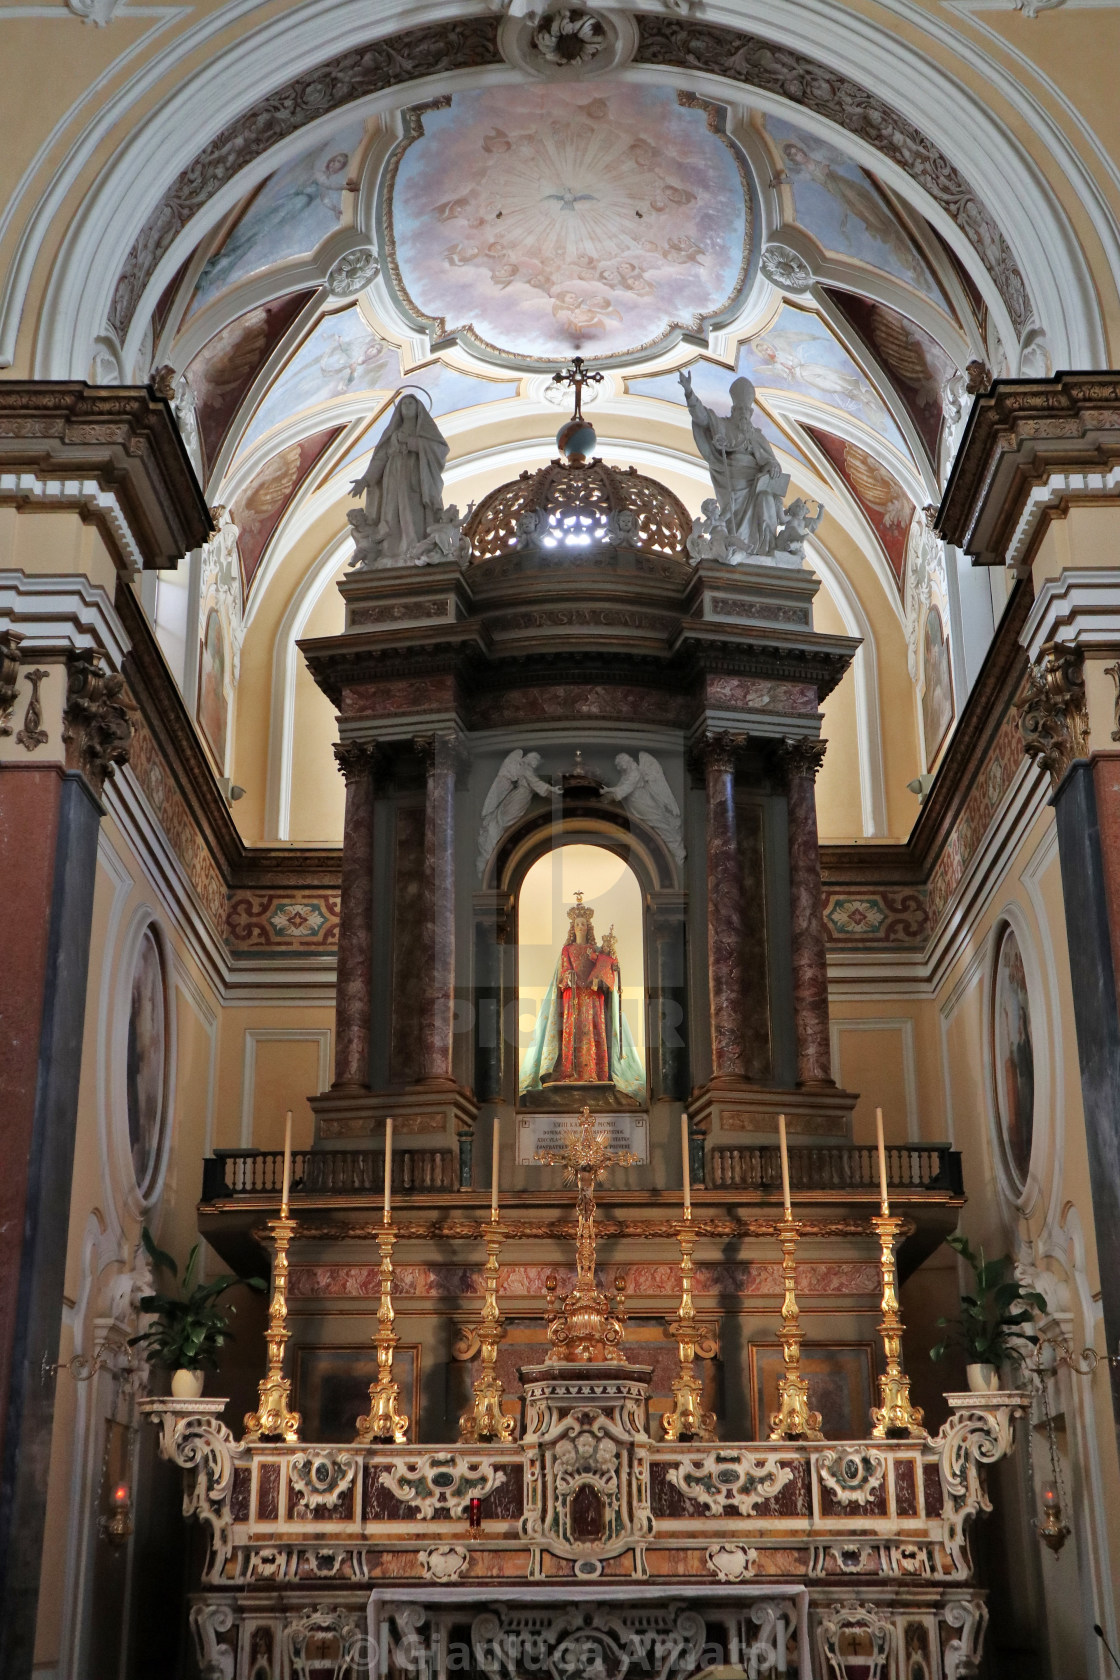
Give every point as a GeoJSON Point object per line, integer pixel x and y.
{"type": "Point", "coordinates": [1019, 435]}
{"type": "Point", "coordinates": [119, 439]}
{"type": "Point", "coordinates": [1053, 715]}
{"type": "Point", "coordinates": [565, 1230]}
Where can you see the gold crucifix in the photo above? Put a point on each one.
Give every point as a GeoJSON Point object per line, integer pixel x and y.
{"type": "Point", "coordinates": [577, 377]}
{"type": "Point", "coordinates": [586, 1328]}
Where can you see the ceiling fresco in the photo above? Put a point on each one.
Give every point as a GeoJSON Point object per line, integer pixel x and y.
{"type": "Point", "coordinates": [801, 354]}
{"type": "Point", "coordinates": [846, 210]}
{"type": "Point", "coordinates": [344, 357]}
{"type": "Point", "coordinates": [885, 503]}
{"type": "Point", "coordinates": [918, 366]}
{"type": "Point", "coordinates": [224, 369]}
{"type": "Point", "coordinates": [260, 506]}
{"type": "Point", "coordinates": [294, 209]}
{"type": "Point", "coordinates": [543, 220]}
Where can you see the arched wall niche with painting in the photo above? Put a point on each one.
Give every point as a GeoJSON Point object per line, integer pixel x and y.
{"type": "Point", "coordinates": [147, 1062]}
{"type": "Point", "coordinates": [213, 697]}
{"type": "Point", "coordinates": [1012, 1056]}
{"type": "Point", "coordinates": [937, 686]}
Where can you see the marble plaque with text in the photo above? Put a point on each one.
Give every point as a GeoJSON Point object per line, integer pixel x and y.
{"type": "Point", "coordinates": [537, 1133]}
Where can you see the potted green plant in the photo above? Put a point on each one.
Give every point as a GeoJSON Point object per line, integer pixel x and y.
{"type": "Point", "coordinates": [189, 1327]}
{"type": "Point", "coordinates": [996, 1323]}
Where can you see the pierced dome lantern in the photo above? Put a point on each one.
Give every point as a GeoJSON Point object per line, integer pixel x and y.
{"type": "Point", "coordinates": [578, 505]}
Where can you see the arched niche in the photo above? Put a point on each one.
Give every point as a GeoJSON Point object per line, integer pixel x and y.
{"type": "Point", "coordinates": [654, 964]}
{"type": "Point", "coordinates": [602, 884]}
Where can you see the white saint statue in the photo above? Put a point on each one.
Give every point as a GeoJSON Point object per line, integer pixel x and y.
{"type": "Point", "coordinates": [648, 798]}
{"type": "Point", "coordinates": [746, 476]}
{"type": "Point", "coordinates": [403, 488]}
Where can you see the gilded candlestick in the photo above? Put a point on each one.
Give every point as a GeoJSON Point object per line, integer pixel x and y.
{"type": "Point", "coordinates": [896, 1416]}
{"type": "Point", "coordinates": [274, 1418]}
{"type": "Point", "coordinates": [384, 1421]}
{"type": "Point", "coordinates": [484, 1419]}
{"type": "Point", "coordinates": [793, 1421]}
{"type": "Point", "coordinates": [687, 1420]}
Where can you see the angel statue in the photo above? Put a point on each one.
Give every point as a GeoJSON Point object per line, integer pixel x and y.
{"type": "Point", "coordinates": [444, 541]}
{"type": "Point", "coordinates": [648, 798]}
{"type": "Point", "coordinates": [403, 488]}
{"type": "Point", "coordinates": [511, 794]}
{"type": "Point", "coordinates": [746, 476]}
{"type": "Point", "coordinates": [797, 528]}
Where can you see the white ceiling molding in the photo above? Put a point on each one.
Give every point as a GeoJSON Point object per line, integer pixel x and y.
{"type": "Point", "coordinates": [953, 117]}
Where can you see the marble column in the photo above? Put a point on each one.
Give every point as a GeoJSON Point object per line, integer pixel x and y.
{"type": "Point", "coordinates": [50, 815]}
{"type": "Point", "coordinates": [801, 759]}
{"type": "Point", "coordinates": [354, 987]}
{"type": "Point", "coordinates": [725, 912]}
{"type": "Point", "coordinates": [442, 754]}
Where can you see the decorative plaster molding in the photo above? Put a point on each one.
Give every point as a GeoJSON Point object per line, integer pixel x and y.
{"type": "Point", "coordinates": [113, 452]}
{"type": "Point", "coordinates": [1021, 435]}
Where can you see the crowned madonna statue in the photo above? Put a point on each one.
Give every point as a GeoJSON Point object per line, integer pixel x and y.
{"type": "Point", "coordinates": [582, 1040]}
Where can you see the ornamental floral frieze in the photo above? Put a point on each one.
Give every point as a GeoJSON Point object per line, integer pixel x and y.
{"type": "Point", "coordinates": [989, 790]}
{"type": "Point", "coordinates": [179, 826]}
{"type": "Point", "coordinates": [643, 1281]}
{"type": "Point", "coordinates": [887, 916]}
{"type": "Point", "coordinates": [267, 922]}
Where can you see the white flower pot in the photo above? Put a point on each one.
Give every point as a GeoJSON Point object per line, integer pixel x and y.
{"type": "Point", "coordinates": [187, 1385]}
{"type": "Point", "coordinates": [982, 1379]}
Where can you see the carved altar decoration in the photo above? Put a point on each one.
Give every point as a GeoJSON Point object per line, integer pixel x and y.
{"type": "Point", "coordinates": [832, 1554]}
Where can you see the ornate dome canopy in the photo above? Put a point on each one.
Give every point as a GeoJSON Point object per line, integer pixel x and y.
{"type": "Point", "coordinates": [574, 506]}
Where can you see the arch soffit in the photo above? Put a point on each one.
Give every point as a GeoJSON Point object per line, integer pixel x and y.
{"type": "Point", "coordinates": [85, 276]}
{"type": "Point", "coordinates": [535, 835]}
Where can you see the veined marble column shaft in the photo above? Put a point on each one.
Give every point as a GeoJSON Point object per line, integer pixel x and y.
{"type": "Point", "coordinates": [442, 754]}
{"type": "Point", "coordinates": [725, 913]}
{"type": "Point", "coordinates": [802, 760]}
{"type": "Point", "coordinates": [354, 988]}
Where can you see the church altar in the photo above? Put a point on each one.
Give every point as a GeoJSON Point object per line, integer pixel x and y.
{"type": "Point", "coordinates": [838, 1560]}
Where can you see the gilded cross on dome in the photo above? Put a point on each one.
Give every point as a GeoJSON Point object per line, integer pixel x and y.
{"type": "Point", "coordinates": [577, 377]}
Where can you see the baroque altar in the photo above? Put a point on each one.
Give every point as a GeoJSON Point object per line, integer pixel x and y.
{"type": "Point", "coordinates": [622, 1496]}
{"type": "Point", "coordinates": [829, 1559]}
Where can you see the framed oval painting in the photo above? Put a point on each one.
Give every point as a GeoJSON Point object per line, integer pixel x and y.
{"type": "Point", "coordinates": [1013, 1056]}
{"type": "Point", "coordinates": [146, 1066]}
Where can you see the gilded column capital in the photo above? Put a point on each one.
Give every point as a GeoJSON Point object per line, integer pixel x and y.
{"type": "Point", "coordinates": [718, 751]}
{"type": "Point", "coordinates": [1053, 714]}
{"type": "Point", "coordinates": [97, 719]}
{"type": "Point", "coordinates": [801, 755]}
{"type": "Point", "coordinates": [447, 752]}
{"type": "Point", "coordinates": [354, 759]}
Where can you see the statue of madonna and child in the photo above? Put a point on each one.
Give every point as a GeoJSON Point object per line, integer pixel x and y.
{"type": "Point", "coordinates": [746, 520]}
{"type": "Point", "coordinates": [582, 1037]}
{"type": "Point", "coordinates": [404, 521]}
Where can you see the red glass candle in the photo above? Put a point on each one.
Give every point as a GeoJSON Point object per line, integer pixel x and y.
{"type": "Point", "coordinates": [475, 1515]}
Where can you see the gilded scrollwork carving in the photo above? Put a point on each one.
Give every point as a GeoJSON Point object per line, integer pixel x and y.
{"type": "Point", "coordinates": [442, 1483]}
{"type": "Point", "coordinates": [974, 1437]}
{"type": "Point", "coordinates": [725, 1480]}
{"type": "Point", "coordinates": [98, 718]}
{"type": "Point", "coordinates": [1053, 715]}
